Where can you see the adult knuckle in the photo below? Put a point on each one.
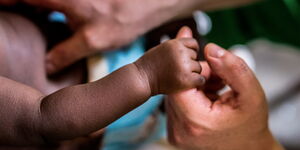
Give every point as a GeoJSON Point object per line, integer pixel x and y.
{"type": "Point", "coordinates": [239, 65]}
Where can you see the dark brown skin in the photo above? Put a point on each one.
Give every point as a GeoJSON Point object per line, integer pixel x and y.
{"type": "Point", "coordinates": [30, 117]}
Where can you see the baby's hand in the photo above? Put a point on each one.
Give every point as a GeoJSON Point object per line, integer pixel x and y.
{"type": "Point", "coordinates": [172, 66]}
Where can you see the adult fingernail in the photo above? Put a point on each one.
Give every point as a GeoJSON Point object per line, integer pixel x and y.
{"type": "Point", "coordinates": [215, 51]}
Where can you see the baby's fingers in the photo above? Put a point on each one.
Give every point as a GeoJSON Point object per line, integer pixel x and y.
{"type": "Point", "coordinates": [195, 67]}
{"type": "Point", "coordinates": [197, 80]}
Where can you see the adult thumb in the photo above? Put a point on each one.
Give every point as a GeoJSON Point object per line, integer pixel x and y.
{"type": "Point", "coordinates": [184, 32]}
{"type": "Point", "coordinates": [231, 69]}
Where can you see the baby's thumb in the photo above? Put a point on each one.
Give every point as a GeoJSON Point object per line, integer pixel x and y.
{"type": "Point", "coordinates": [184, 32]}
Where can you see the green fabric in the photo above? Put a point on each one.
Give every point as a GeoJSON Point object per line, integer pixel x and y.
{"type": "Point", "coordinates": [277, 20]}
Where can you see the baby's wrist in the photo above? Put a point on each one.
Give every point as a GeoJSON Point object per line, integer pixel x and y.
{"type": "Point", "coordinates": [143, 77]}
{"type": "Point", "coordinates": [147, 71]}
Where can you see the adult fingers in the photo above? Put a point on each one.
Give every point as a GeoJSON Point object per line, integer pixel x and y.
{"type": "Point", "coordinates": [191, 103]}
{"type": "Point", "coordinates": [66, 53]}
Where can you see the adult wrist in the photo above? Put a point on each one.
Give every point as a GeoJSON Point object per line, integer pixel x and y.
{"type": "Point", "coordinates": [266, 141]}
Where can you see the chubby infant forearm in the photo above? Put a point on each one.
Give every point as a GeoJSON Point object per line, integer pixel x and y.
{"type": "Point", "coordinates": [30, 118]}
{"type": "Point", "coordinates": [83, 109]}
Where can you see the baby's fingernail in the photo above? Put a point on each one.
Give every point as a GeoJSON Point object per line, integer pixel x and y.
{"type": "Point", "coordinates": [203, 80]}
{"type": "Point", "coordinates": [215, 51]}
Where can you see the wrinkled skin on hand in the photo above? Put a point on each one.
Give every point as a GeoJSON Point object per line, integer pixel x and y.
{"type": "Point", "coordinates": [203, 119]}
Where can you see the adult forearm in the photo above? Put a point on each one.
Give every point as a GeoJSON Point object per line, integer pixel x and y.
{"type": "Point", "coordinates": [83, 109]}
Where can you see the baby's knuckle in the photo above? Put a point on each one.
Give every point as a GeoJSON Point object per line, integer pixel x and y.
{"type": "Point", "coordinates": [186, 70]}
{"type": "Point", "coordinates": [183, 79]}
{"type": "Point", "coordinates": [173, 44]}
{"type": "Point", "coordinates": [185, 65]}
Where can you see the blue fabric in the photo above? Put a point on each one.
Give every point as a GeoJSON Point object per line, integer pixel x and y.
{"type": "Point", "coordinates": [57, 17]}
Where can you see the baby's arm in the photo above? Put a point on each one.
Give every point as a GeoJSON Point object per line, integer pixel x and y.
{"type": "Point", "coordinates": [29, 117]}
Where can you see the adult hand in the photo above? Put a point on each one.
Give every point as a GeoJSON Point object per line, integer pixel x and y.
{"type": "Point", "coordinates": [235, 120]}
{"type": "Point", "coordinates": [109, 24]}
{"type": "Point", "coordinates": [102, 25]}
